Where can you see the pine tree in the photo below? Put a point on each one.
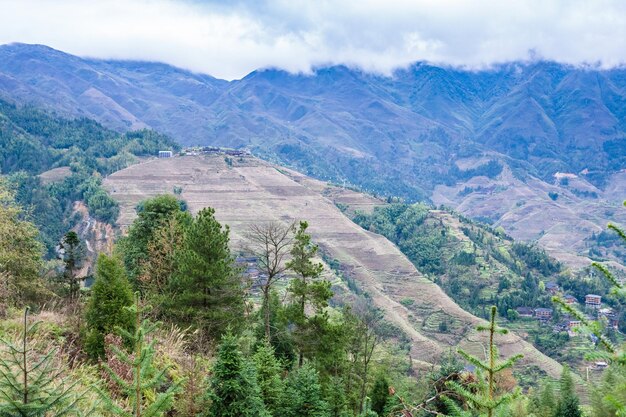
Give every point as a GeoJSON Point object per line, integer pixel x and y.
{"type": "Point", "coordinates": [568, 405]}
{"type": "Point", "coordinates": [543, 402]}
{"type": "Point", "coordinates": [482, 396]}
{"type": "Point", "coordinates": [233, 386]}
{"type": "Point", "coordinates": [281, 338]}
{"type": "Point", "coordinates": [72, 257]}
{"type": "Point", "coordinates": [334, 393]}
{"type": "Point", "coordinates": [612, 379]}
{"type": "Point", "coordinates": [145, 377]}
{"type": "Point", "coordinates": [206, 291]}
{"type": "Point", "coordinates": [31, 385]}
{"type": "Point", "coordinates": [106, 311]}
{"type": "Point", "coordinates": [303, 396]}
{"type": "Point", "coordinates": [268, 376]}
{"type": "Point", "coordinates": [306, 290]}
{"type": "Point", "coordinates": [380, 394]}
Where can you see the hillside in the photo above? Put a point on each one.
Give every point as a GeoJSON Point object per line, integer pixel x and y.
{"type": "Point", "coordinates": [51, 162]}
{"type": "Point", "coordinates": [536, 147]}
{"type": "Point", "coordinates": [248, 190]}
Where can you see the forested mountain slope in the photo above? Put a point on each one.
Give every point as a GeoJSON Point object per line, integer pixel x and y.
{"type": "Point", "coordinates": [53, 162]}
{"type": "Point", "coordinates": [246, 191]}
{"type": "Point", "coordinates": [521, 143]}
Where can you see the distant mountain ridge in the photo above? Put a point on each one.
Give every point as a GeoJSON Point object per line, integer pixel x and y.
{"type": "Point", "coordinates": [556, 117]}
{"type": "Point", "coordinates": [407, 135]}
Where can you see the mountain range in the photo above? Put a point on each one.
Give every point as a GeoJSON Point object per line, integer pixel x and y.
{"type": "Point", "coordinates": [467, 139]}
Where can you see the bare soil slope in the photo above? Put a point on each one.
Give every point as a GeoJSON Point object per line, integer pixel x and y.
{"type": "Point", "coordinates": [252, 191]}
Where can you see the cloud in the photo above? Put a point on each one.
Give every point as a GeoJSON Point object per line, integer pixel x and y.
{"type": "Point", "coordinates": [228, 39]}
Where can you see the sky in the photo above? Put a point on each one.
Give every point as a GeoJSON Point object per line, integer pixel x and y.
{"type": "Point", "coordinates": [228, 39]}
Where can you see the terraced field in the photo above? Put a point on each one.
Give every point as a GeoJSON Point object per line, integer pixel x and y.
{"type": "Point", "coordinates": [555, 215]}
{"type": "Point", "coordinates": [247, 191]}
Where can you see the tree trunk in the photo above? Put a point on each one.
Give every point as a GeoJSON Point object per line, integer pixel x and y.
{"type": "Point", "coordinates": [266, 301]}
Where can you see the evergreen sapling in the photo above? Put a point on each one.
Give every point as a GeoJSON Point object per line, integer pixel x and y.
{"type": "Point", "coordinates": [481, 395]}
{"type": "Point", "coordinates": [31, 385]}
{"type": "Point", "coordinates": [145, 377]}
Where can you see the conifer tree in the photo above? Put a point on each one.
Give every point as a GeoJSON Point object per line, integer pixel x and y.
{"type": "Point", "coordinates": [482, 396]}
{"type": "Point", "coordinates": [72, 257]}
{"type": "Point", "coordinates": [31, 385]}
{"type": "Point", "coordinates": [106, 311]}
{"type": "Point", "coordinates": [613, 379]}
{"type": "Point", "coordinates": [161, 263]}
{"type": "Point", "coordinates": [233, 385]}
{"type": "Point", "coordinates": [306, 290]}
{"type": "Point", "coordinates": [543, 402]}
{"type": "Point", "coordinates": [269, 379]}
{"type": "Point", "coordinates": [334, 391]}
{"type": "Point", "coordinates": [380, 394]}
{"type": "Point", "coordinates": [145, 377]}
{"type": "Point", "coordinates": [568, 405]}
{"type": "Point", "coordinates": [304, 394]}
{"type": "Point", "coordinates": [206, 291]}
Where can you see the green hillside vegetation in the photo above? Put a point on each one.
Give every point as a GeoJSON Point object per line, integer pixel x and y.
{"type": "Point", "coordinates": [33, 141]}
{"type": "Point", "coordinates": [479, 266]}
{"type": "Point", "coordinates": [475, 264]}
{"type": "Point", "coordinates": [117, 359]}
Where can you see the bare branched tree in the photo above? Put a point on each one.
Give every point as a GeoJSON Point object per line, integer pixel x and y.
{"type": "Point", "coordinates": [270, 243]}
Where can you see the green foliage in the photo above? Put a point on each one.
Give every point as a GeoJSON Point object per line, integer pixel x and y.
{"type": "Point", "coordinates": [608, 395]}
{"type": "Point", "coordinates": [568, 404]}
{"type": "Point", "coordinates": [145, 378]}
{"type": "Point", "coordinates": [482, 395]}
{"type": "Point", "coordinates": [73, 255]}
{"type": "Point", "coordinates": [404, 225]}
{"type": "Point", "coordinates": [379, 394]}
{"type": "Point", "coordinates": [281, 338]}
{"type": "Point", "coordinates": [269, 378]}
{"type": "Point", "coordinates": [152, 214]}
{"type": "Point", "coordinates": [471, 267]}
{"type": "Point", "coordinates": [106, 311]}
{"type": "Point", "coordinates": [20, 255]}
{"type": "Point", "coordinates": [543, 402]}
{"type": "Point", "coordinates": [303, 396]}
{"type": "Point", "coordinates": [306, 290]}
{"type": "Point", "coordinates": [33, 141]}
{"type": "Point", "coordinates": [206, 291]}
{"type": "Point", "coordinates": [31, 385]}
{"type": "Point", "coordinates": [233, 386]}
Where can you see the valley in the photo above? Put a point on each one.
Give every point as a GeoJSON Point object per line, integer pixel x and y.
{"type": "Point", "coordinates": [488, 143]}
{"type": "Point", "coordinates": [312, 209]}
{"type": "Point", "coordinates": [252, 191]}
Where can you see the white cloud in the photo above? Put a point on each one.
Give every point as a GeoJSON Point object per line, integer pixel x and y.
{"type": "Point", "coordinates": [230, 39]}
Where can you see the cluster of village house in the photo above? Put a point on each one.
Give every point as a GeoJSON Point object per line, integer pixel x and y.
{"type": "Point", "coordinates": [205, 150]}
{"type": "Point", "coordinates": [593, 303]}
